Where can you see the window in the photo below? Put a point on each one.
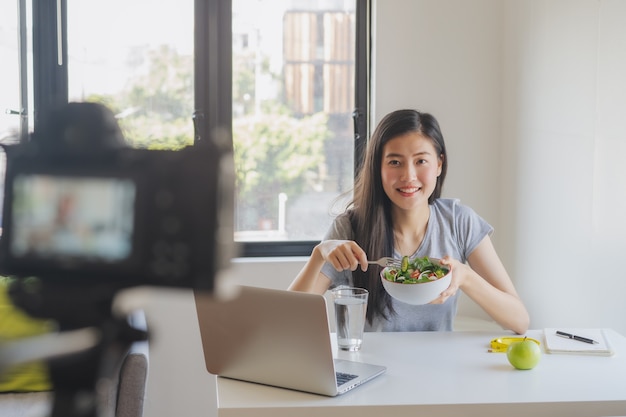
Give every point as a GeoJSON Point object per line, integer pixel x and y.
{"type": "Point", "coordinates": [285, 83]}
{"type": "Point", "coordinates": [293, 98]}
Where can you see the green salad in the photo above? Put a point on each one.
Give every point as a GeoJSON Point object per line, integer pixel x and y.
{"type": "Point", "coordinates": [415, 271]}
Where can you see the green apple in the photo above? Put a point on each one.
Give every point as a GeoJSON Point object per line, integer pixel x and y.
{"type": "Point", "coordinates": [524, 354]}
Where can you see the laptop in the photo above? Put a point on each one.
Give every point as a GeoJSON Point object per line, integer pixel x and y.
{"type": "Point", "coordinates": [276, 337]}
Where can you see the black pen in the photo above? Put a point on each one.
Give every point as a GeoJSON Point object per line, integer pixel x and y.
{"type": "Point", "coordinates": [573, 336]}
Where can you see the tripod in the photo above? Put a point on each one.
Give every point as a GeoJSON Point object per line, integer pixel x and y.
{"type": "Point", "coordinates": [89, 348]}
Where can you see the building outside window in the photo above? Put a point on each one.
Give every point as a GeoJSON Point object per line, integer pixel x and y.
{"type": "Point", "coordinates": [293, 96]}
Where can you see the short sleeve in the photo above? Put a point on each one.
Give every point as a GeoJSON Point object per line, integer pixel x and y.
{"type": "Point", "coordinates": [454, 229]}
{"type": "Point", "coordinates": [471, 229]}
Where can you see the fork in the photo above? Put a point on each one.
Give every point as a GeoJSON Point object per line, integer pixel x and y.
{"type": "Point", "coordinates": [386, 261]}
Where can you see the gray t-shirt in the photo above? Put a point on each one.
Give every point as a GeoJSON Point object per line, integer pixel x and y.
{"type": "Point", "coordinates": [453, 229]}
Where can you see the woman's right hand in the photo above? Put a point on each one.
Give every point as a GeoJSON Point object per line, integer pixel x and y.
{"type": "Point", "coordinates": [343, 254]}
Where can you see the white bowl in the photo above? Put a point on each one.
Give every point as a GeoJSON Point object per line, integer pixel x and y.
{"type": "Point", "coordinates": [416, 294]}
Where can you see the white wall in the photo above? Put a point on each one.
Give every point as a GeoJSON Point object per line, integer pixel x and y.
{"type": "Point", "coordinates": [529, 95]}
{"type": "Point", "coordinates": [564, 189]}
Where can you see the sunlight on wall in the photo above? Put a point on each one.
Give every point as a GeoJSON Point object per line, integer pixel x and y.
{"type": "Point", "coordinates": [563, 103]}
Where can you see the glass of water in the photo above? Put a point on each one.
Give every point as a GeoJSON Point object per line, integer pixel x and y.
{"type": "Point", "coordinates": [350, 307]}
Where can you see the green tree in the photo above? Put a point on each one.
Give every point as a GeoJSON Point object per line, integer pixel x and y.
{"type": "Point", "coordinates": [243, 84]}
{"type": "Point", "coordinates": [276, 153]}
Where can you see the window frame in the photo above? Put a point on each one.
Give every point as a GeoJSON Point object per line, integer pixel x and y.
{"type": "Point", "coordinates": [212, 83]}
{"type": "Point", "coordinates": [360, 117]}
{"type": "Point", "coordinates": [50, 76]}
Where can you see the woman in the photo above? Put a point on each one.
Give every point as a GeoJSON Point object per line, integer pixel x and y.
{"type": "Point", "coordinates": [397, 211]}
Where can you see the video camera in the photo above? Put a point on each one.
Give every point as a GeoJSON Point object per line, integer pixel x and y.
{"type": "Point", "coordinates": [88, 216]}
{"type": "Point", "coordinates": [117, 215]}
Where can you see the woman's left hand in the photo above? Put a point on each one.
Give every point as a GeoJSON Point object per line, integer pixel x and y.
{"type": "Point", "coordinates": [457, 270]}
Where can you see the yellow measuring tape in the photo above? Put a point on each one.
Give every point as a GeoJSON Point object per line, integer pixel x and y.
{"type": "Point", "coordinates": [501, 344]}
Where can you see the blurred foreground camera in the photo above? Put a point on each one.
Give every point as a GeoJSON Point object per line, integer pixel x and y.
{"type": "Point", "coordinates": [81, 208]}
{"type": "Point", "coordinates": [88, 216]}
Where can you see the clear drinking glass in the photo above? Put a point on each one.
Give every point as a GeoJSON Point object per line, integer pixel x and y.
{"type": "Point", "coordinates": [350, 307]}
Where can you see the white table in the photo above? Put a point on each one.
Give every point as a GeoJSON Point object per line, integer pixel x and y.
{"type": "Point", "coordinates": [450, 374]}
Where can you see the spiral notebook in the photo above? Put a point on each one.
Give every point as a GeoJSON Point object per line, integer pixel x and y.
{"type": "Point", "coordinates": [558, 344]}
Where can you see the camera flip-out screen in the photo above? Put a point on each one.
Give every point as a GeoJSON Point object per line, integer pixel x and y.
{"type": "Point", "coordinates": [70, 218]}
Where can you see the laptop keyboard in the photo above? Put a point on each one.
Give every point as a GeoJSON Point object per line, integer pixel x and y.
{"type": "Point", "coordinates": [342, 378]}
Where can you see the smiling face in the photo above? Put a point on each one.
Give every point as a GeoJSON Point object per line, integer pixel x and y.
{"type": "Point", "coordinates": [409, 170]}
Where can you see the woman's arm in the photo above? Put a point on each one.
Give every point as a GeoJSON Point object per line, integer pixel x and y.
{"type": "Point", "coordinates": [486, 281]}
{"type": "Point", "coordinates": [310, 279]}
{"type": "Point", "coordinates": [341, 254]}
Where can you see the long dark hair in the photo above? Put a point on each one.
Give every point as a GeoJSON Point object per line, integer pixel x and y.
{"type": "Point", "coordinates": [370, 211]}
